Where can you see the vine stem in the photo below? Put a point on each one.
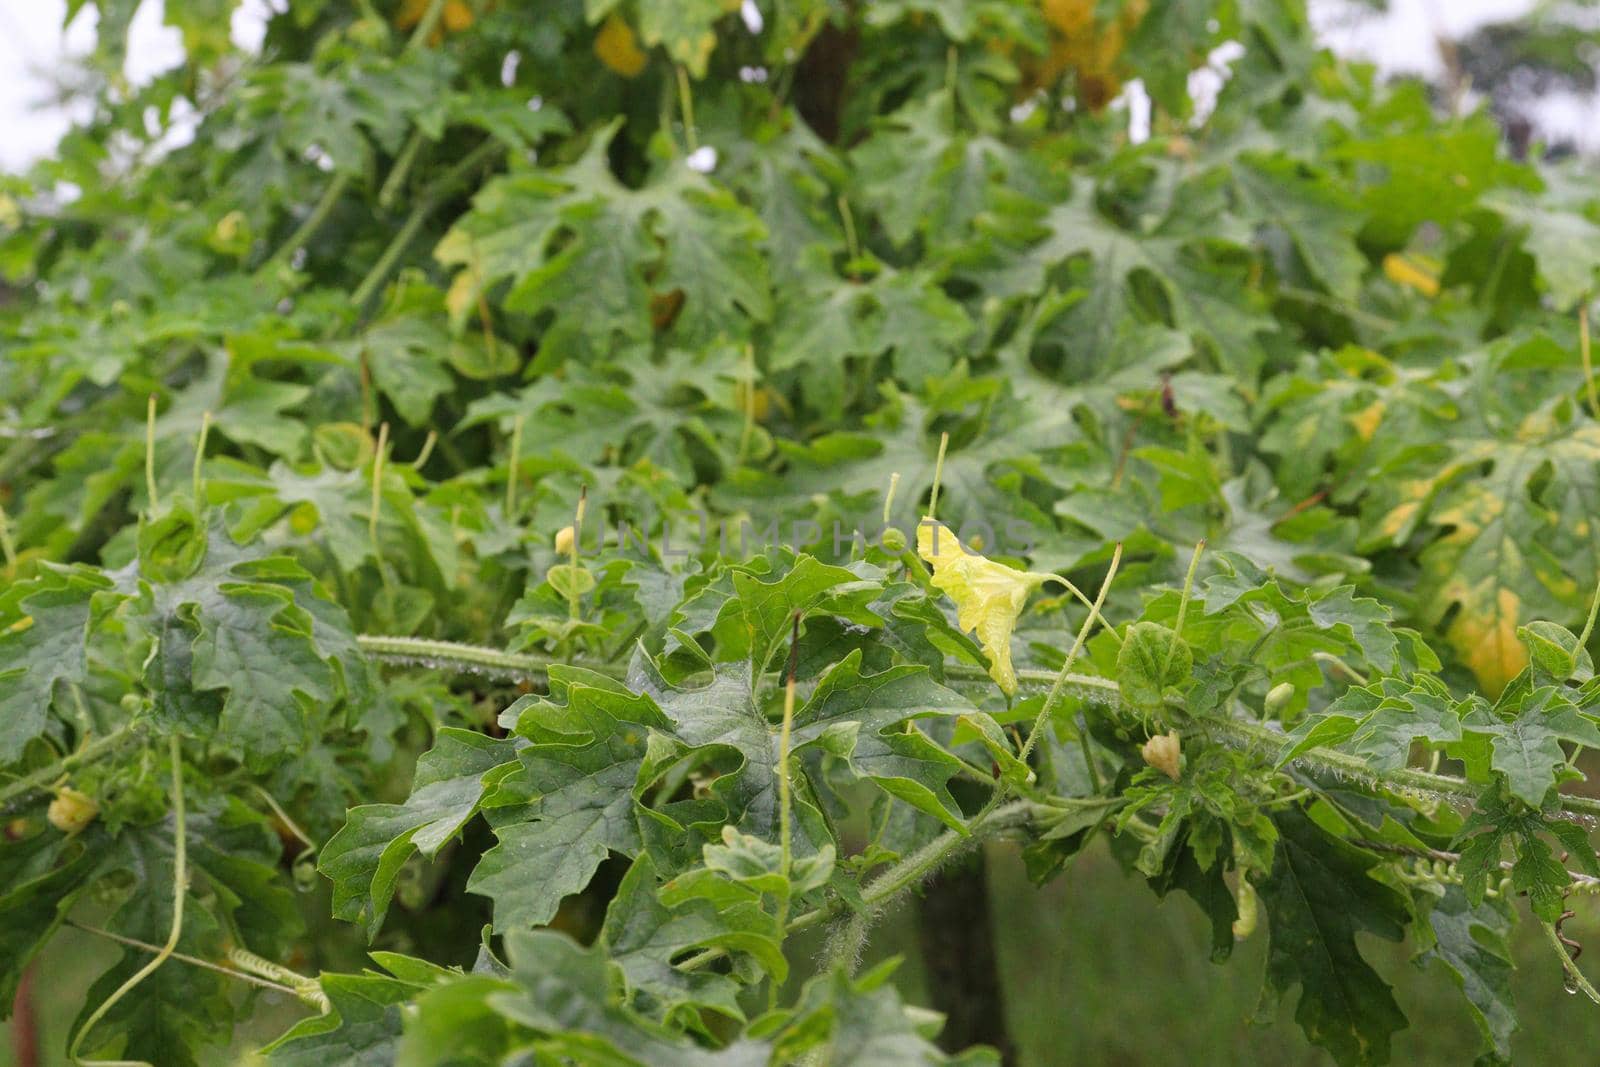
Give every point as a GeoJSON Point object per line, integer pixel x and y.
{"type": "Point", "coordinates": [41, 778]}
{"type": "Point", "coordinates": [1574, 975]}
{"type": "Point", "coordinates": [180, 887]}
{"type": "Point", "coordinates": [424, 208]}
{"type": "Point", "coordinates": [312, 222]}
{"type": "Point", "coordinates": [904, 875]}
{"type": "Point", "coordinates": [193, 961]}
{"type": "Point", "coordinates": [1237, 733]}
{"type": "Point", "coordinates": [1583, 883]}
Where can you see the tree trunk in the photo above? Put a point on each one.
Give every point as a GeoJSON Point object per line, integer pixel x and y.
{"type": "Point", "coordinates": [958, 953]}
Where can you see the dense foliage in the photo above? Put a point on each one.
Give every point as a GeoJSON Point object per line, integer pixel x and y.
{"type": "Point", "coordinates": [298, 418]}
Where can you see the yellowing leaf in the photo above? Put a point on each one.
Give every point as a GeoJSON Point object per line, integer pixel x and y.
{"type": "Point", "coordinates": [455, 17]}
{"type": "Point", "coordinates": [1367, 420]}
{"type": "Point", "coordinates": [1487, 641]}
{"type": "Point", "coordinates": [618, 48]}
{"type": "Point", "coordinates": [989, 596]}
{"type": "Point", "coordinates": [1091, 49]}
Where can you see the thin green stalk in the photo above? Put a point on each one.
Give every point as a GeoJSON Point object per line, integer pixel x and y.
{"type": "Point", "coordinates": [376, 509]}
{"type": "Point", "coordinates": [1072, 656]}
{"type": "Point", "coordinates": [784, 846]}
{"type": "Point", "coordinates": [938, 476]}
{"type": "Point", "coordinates": [193, 961]}
{"type": "Point", "coordinates": [511, 468]}
{"type": "Point", "coordinates": [925, 861]}
{"type": "Point", "coordinates": [888, 498]}
{"type": "Point", "coordinates": [686, 105]}
{"type": "Point", "coordinates": [749, 402]}
{"type": "Point", "coordinates": [180, 890]}
{"type": "Point", "coordinates": [306, 989]}
{"type": "Point", "coordinates": [313, 222]}
{"type": "Point", "coordinates": [401, 169]}
{"type": "Point", "coordinates": [1183, 603]}
{"type": "Point", "coordinates": [426, 450]}
{"type": "Point", "coordinates": [1583, 352]}
{"type": "Point", "coordinates": [849, 220]}
{"type": "Point", "coordinates": [785, 801]}
{"type": "Point", "coordinates": [150, 450]}
{"type": "Point", "coordinates": [7, 545]}
{"type": "Point", "coordinates": [574, 600]}
{"type": "Point", "coordinates": [1575, 977]}
{"type": "Point", "coordinates": [200, 454]}
{"type": "Point", "coordinates": [1588, 624]}
{"type": "Point", "coordinates": [377, 491]}
{"type": "Point", "coordinates": [1341, 666]}
{"type": "Point", "coordinates": [288, 823]}
{"type": "Point", "coordinates": [426, 25]}
{"type": "Point", "coordinates": [1083, 598]}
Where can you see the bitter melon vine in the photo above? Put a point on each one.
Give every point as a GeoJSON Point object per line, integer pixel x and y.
{"type": "Point", "coordinates": [604, 498]}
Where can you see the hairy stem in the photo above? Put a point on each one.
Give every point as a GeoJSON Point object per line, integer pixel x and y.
{"type": "Point", "coordinates": [94, 750]}
{"type": "Point", "coordinates": [1092, 689]}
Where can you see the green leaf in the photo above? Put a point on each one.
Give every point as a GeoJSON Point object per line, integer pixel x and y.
{"type": "Point", "coordinates": [1152, 658]}
{"type": "Point", "coordinates": [644, 936]}
{"type": "Point", "coordinates": [1319, 896]}
{"type": "Point", "coordinates": [362, 1026]}
{"type": "Point", "coordinates": [1472, 943]}
{"type": "Point", "coordinates": [364, 858]}
{"type": "Point", "coordinates": [769, 607]}
{"type": "Point", "coordinates": [578, 777]}
{"type": "Point", "coordinates": [1527, 748]}
{"type": "Point", "coordinates": [46, 627]}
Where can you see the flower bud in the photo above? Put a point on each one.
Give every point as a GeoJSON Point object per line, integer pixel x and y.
{"type": "Point", "coordinates": [564, 540]}
{"type": "Point", "coordinates": [1162, 752]}
{"type": "Point", "coordinates": [893, 540]}
{"type": "Point", "coordinates": [1278, 697]}
{"type": "Point", "coordinates": [71, 810]}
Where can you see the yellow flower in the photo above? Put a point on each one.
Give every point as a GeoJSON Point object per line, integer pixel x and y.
{"type": "Point", "coordinates": [989, 596]}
